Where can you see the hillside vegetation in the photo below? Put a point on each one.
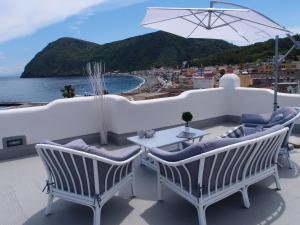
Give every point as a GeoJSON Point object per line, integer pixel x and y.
{"type": "Point", "coordinates": [68, 56]}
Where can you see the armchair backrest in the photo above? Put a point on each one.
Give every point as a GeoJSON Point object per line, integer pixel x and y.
{"type": "Point", "coordinates": [79, 172]}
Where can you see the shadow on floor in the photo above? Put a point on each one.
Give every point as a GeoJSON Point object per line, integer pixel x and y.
{"type": "Point", "coordinates": [286, 172]}
{"type": "Point", "coordinates": [266, 206]}
{"type": "Point", "coordinates": [67, 213]}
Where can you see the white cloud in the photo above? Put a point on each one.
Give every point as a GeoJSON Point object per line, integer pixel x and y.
{"type": "Point", "coordinates": [108, 5]}
{"type": "Point", "coordinates": [20, 18]}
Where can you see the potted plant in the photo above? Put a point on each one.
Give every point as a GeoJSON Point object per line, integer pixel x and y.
{"type": "Point", "coordinates": [187, 117]}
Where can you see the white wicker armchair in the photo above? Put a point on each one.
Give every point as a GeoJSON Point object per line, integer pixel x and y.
{"type": "Point", "coordinates": [212, 176]}
{"type": "Point", "coordinates": [286, 116]}
{"type": "Point", "coordinates": [84, 178]}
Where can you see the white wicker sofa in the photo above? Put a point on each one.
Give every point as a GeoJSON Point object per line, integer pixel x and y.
{"type": "Point", "coordinates": [208, 172]}
{"type": "Point", "coordinates": [88, 175]}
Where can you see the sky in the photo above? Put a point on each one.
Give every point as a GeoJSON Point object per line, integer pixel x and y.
{"type": "Point", "coordinates": [28, 26]}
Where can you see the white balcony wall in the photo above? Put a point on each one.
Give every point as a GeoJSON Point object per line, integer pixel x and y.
{"type": "Point", "coordinates": [60, 119]}
{"type": "Point", "coordinates": [78, 116]}
{"type": "Point", "coordinates": [128, 116]}
{"type": "Point", "coordinates": [67, 118]}
{"type": "Point", "coordinates": [258, 100]}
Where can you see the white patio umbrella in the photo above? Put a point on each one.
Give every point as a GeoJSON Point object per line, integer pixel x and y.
{"type": "Point", "coordinates": [239, 24]}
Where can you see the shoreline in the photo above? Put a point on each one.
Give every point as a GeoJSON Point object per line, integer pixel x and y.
{"type": "Point", "coordinates": [136, 88]}
{"type": "Point", "coordinates": [136, 81]}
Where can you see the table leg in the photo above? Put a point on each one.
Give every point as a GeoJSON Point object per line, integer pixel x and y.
{"type": "Point", "coordinates": [146, 161]}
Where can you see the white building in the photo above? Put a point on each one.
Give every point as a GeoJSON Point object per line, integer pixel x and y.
{"type": "Point", "coordinates": [202, 82]}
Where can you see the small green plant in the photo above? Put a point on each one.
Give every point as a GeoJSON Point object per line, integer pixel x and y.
{"type": "Point", "coordinates": [187, 117]}
{"type": "Point", "coordinates": [68, 91]}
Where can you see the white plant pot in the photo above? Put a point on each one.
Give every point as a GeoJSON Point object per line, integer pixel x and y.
{"type": "Point", "coordinates": [187, 129]}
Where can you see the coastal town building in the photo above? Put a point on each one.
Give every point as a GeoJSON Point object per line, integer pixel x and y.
{"type": "Point", "coordinates": [246, 80]}
{"type": "Point", "coordinates": [201, 82]}
{"type": "Point", "coordinates": [165, 82]}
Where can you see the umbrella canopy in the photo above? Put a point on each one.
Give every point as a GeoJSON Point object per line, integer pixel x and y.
{"type": "Point", "coordinates": [236, 24]}
{"type": "Point", "coordinates": [217, 23]}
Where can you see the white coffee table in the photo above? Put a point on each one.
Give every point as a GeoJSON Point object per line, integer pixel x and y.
{"type": "Point", "coordinates": [164, 138]}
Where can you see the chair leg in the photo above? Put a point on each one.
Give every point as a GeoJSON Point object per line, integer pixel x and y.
{"type": "Point", "coordinates": [49, 205]}
{"type": "Point", "coordinates": [289, 160]}
{"type": "Point", "coordinates": [285, 153]}
{"type": "Point", "coordinates": [97, 215]}
{"type": "Point", "coordinates": [276, 177]}
{"type": "Point", "coordinates": [159, 189]}
{"type": "Point", "coordinates": [201, 215]}
{"type": "Point", "coordinates": [245, 197]}
{"type": "Point", "coordinates": [133, 188]}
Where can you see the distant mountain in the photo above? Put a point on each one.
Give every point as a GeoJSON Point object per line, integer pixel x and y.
{"type": "Point", "coordinates": [68, 56]}
{"type": "Point", "coordinates": [251, 53]}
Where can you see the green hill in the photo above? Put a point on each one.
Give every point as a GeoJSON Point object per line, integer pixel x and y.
{"type": "Point", "coordinates": [251, 53]}
{"type": "Point", "coordinates": [68, 56]}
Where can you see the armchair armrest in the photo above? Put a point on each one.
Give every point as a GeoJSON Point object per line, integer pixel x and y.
{"type": "Point", "coordinates": [186, 144]}
{"type": "Point", "coordinates": [255, 119]}
{"type": "Point", "coordinates": [119, 155]}
{"type": "Point", "coordinates": [163, 154]}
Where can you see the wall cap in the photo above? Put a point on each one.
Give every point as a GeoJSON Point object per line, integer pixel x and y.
{"type": "Point", "coordinates": [230, 81]}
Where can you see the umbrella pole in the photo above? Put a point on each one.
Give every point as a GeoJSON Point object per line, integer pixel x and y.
{"type": "Point", "coordinates": [276, 72]}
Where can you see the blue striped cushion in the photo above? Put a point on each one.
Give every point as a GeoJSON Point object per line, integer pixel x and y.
{"type": "Point", "coordinates": [236, 132]}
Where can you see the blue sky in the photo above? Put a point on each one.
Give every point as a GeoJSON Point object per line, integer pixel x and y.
{"type": "Point", "coordinates": [26, 28]}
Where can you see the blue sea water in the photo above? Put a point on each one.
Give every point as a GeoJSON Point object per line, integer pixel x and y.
{"type": "Point", "coordinates": [14, 89]}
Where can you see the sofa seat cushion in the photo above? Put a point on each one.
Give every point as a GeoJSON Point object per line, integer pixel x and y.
{"type": "Point", "coordinates": [252, 130]}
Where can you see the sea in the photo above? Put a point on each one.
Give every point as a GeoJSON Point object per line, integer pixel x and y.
{"type": "Point", "coordinates": [15, 89]}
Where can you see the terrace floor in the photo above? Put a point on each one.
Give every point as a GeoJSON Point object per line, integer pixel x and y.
{"type": "Point", "coordinates": [22, 201]}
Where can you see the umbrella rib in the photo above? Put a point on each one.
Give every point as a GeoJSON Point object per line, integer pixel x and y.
{"type": "Point", "coordinates": [260, 30]}
{"type": "Point", "coordinates": [193, 22]}
{"type": "Point", "coordinates": [201, 21]}
{"type": "Point", "coordinates": [234, 29]}
{"type": "Point", "coordinates": [226, 24]}
{"type": "Point", "coordinates": [164, 20]}
{"type": "Point", "coordinates": [218, 17]}
{"type": "Point", "coordinates": [192, 31]}
{"type": "Point", "coordinates": [251, 21]}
